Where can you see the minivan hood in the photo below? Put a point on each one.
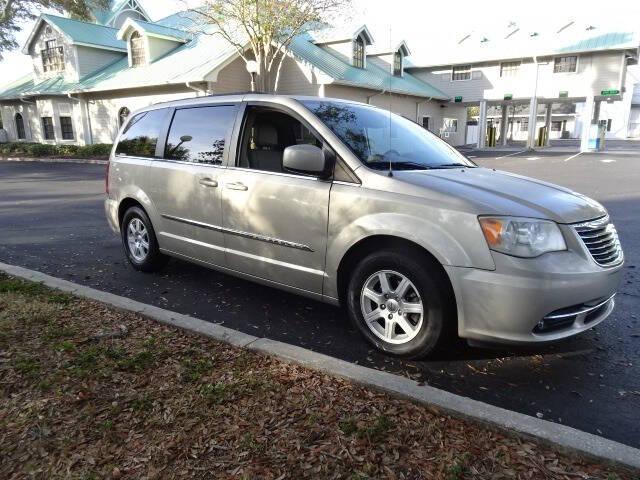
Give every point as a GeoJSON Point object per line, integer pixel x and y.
{"type": "Point", "coordinates": [502, 193]}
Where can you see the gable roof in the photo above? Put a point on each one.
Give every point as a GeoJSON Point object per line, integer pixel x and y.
{"type": "Point", "coordinates": [153, 30]}
{"type": "Point", "coordinates": [79, 33]}
{"type": "Point", "coordinates": [194, 60]}
{"type": "Point", "coordinates": [105, 17]}
{"type": "Point", "coordinates": [327, 34]}
{"type": "Point", "coordinates": [372, 76]}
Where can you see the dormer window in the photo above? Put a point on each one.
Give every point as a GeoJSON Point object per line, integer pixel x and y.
{"type": "Point", "coordinates": [138, 56]}
{"type": "Point", "coordinates": [52, 56]}
{"type": "Point", "coordinates": [397, 64]}
{"type": "Point", "coordinates": [358, 52]}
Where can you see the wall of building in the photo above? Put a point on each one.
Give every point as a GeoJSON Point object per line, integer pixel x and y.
{"type": "Point", "coordinates": [93, 59]}
{"type": "Point", "coordinates": [104, 107]}
{"type": "Point", "coordinates": [159, 47]}
{"type": "Point", "coordinates": [595, 72]}
{"type": "Point", "coordinates": [38, 44]}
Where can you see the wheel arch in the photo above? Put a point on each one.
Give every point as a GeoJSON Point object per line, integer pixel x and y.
{"type": "Point", "coordinates": [367, 245]}
{"type": "Point", "coordinates": [126, 204]}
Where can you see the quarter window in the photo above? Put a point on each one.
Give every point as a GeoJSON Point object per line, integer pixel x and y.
{"type": "Point", "coordinates": [66, 125]}
{"type": "Point", "coordinates": [20, 126]}
{"type": "Point", "coordinates": [462, 72]}
{"type": "Point", "coordinates": [509, 69]}
{"type": "Point", "coordinates": [140, 137]}
{"type": "Point", "coordinates": [47, 127]}
{"type": "Point", "coordinates": [358, 52]}
{"type": "Point", "coordinates": [565, 64]}
{"type": "Point", "coordinates": [137, 49]}
{"type": "Point", "coordinates": [200, 134]}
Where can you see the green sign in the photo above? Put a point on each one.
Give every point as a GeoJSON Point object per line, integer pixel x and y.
{"type": "Point", "coordinates": [563, 94]}
{"type": "Point", "coordinates": [508, 96]}
{"type": "Point", "coordinates": [608, 93]}
{"type": "Point", "coordinates": [457, 99]}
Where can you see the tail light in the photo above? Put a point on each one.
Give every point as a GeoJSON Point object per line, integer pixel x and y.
{"type": "Point", "coordinates": [106, 179]}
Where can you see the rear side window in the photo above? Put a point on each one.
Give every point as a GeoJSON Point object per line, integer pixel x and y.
{"type": "Point", "coordinates": [199, 134]}
{"type": "Point", "coordinates": [140, 137]}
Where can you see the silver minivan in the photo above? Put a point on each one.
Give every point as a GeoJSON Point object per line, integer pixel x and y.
{"type": "Point", "coordinates": [355, 206]}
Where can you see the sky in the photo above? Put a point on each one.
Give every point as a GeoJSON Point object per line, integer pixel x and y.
{"type": "Point", "coordinates": [427, 24]}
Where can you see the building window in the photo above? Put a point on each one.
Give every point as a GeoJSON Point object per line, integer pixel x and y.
{"type": "Point", "coordinates": [47, 127]}
{"type": "Point", "coordinates": [509, 69]}
{"type": "Point", "coordinates": [397, 64]}
{"type": "Point", "coordinates": [358, 52]}
{"type": "Point", "coordinates": [425, 123]}
{"type": "Point", "coordinates": [66, 125]}
{"type": "Point", "coordinates": [123, 114]}
{"type": "Point", "coordinates": [52, 57]}
{"type": "Point", "coordinates": [608, 125]}
{"type": "Point", "coordinates": [462, 72]}
{"type": "Point", "coordinates": [450, 125]}
{"type": "Point", "coordinates": [137, 50]}
{"type": "Point", "coordinates": [20, 126]}
{"type": "Point", "coordinates": [565, 64]}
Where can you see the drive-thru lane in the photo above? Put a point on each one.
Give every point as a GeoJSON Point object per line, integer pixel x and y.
{"type": "Point", "coordinates": [51, 219]}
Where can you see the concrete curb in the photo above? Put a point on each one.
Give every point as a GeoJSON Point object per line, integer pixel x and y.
{"type": "Point", "coordinates": [565, 438]}
{"type": "Point", "coordinates": [56, 160]}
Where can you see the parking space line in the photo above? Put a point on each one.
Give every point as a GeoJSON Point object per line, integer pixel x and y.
{"type": "Point", "coordinates": [572, 156]}
{"type": "Point", "coordinates": [511, 154]}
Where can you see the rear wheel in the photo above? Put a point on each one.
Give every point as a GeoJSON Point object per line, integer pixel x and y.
{"type": "Point", "coordinates": [139, 241]}
{"type": "Point", "coordinates": [401, 306]}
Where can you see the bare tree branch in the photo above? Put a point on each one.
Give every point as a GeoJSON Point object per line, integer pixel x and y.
{"type": "Point", "coordinates": [264, 29]}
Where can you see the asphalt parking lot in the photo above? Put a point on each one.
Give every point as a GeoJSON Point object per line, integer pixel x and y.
{"type": "Point", "coordinates": [52, 220]}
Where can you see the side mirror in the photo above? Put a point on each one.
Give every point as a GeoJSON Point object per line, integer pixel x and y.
{"type": "Point", "coordinates": [306, 159]}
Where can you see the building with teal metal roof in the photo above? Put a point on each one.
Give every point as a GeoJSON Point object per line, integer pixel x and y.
{"type": "Point", "coordinates": [88, 75]}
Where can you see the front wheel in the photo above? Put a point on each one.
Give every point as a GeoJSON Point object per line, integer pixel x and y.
{"type": "Point", "coordinates": [400, 305]}
{"type": "Point", "coordinates": [139, 241]}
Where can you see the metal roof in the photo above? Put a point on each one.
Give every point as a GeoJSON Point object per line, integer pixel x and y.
{"type": "Point", "coordinates": [523, 43]}
{"type": "Point", "coordinates": [194, 60]}
{"type": "Point", "coordinates": [83, 33]}
{"type": "Point", "coordinates": [154, 29]}
{"type": "Point", "coordinates": [372, 77]}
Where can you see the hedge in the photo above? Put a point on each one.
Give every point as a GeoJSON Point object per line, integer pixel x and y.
{"type": "Point", "coordinates": [48, 150]}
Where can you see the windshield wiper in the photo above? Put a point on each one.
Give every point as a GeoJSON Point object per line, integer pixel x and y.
{"type": "Point", "coordinates": [453, 165]}
{"type": "Point", "coordinates": [400, 165]}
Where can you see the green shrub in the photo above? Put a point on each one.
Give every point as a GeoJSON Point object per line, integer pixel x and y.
{"type": "Point", "coordinates": [24, 149]}
{"type": "Point", "coordinates": [42, 150]}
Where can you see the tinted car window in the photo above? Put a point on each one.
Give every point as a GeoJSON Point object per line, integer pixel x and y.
{"type": "Point", "coordinates": [383, 140]}
{"type": "Point", "coordinates": [140, 137]}
{"type": "Point", "coordinates": [199, 134]}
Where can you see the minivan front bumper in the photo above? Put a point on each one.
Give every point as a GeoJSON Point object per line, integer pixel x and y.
{"type": "Point", "coordinates": [533, 300]}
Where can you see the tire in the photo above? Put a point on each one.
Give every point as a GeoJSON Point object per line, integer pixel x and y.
{"type": "Point", "coordinates": [143, 254]}
{"type": "Point", "coordinates": [404, 334]}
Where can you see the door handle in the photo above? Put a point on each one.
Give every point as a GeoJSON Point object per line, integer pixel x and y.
{"type": "Point", "coordinates": [208, 182]}
{"type": "Point", "coordinates": [237, 186]}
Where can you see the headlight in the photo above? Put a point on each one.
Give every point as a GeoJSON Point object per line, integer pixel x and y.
{"type": "Point", "coordinates": [522, 237]}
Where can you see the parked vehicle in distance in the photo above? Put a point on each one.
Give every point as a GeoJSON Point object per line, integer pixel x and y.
{"type": "Point", "coordinates": [355, 206]}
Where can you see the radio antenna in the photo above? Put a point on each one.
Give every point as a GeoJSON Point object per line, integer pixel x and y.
{"type": "Point", "coordinates": [391, 68]}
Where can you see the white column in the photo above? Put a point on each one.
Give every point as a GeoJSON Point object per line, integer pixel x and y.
{"type": "Point", "coordinates": [482, 124]}
{"type": "Point", "coordinates": [533, 121]}
{"type": "Point", "coordinates": [547, 122]}
{"type": "Point", "coordinates": [504, 122]}
{"type": "Point", "coordinates": [586, 117]}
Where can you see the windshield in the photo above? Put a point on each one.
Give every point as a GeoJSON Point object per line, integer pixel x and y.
{"type": "Point", "coordinates": [381, 139]}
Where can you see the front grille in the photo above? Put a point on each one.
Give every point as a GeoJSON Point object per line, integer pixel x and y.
{"type": "Point", "coordinates": [601, 239]}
